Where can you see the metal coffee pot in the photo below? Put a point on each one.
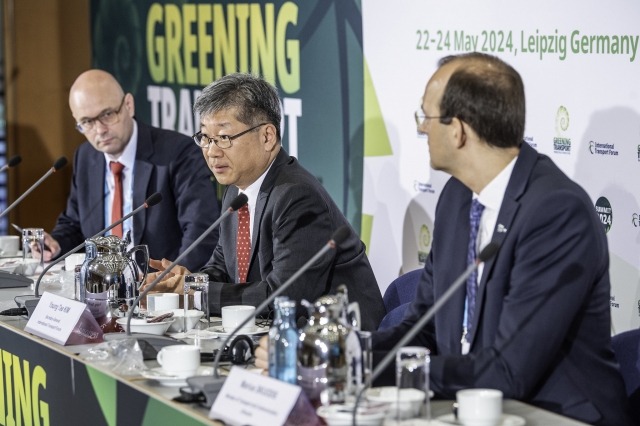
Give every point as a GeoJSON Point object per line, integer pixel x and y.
{"type": "Point", "coordinates": [110, 275]}
{"type": "Point", "coordinates": [325, 351]}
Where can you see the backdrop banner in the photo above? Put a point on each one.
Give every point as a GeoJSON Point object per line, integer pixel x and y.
{"type": "Point", "coordinates": [579, 62]}
{"type": "Point", "coordinates": [165, 52]}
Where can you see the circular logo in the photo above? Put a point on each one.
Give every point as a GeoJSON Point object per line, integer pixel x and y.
{"type": "Point", "coordinates": [425, 238]}
{"type": "Point", "coordinates": [634, 219]}
{"type": "Point", "coordinates": [603, 208]}
{"type": "Point", "coordinates": [562, 120]}
{"type": "Point", "coordinates": [591, 146]}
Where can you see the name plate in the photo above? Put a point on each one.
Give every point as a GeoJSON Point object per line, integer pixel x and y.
{"type": "Point", "coordinates": [54, 318]}
{"type": "Point", "coordinates": [248, 398]}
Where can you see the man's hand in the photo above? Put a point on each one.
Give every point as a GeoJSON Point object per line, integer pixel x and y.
{"type": "Point", "coordinates": [173, 282]}
{"type": "Point", "coordinates": [52, 248]}
{"type": "Point", "coordinates": [262, 355]}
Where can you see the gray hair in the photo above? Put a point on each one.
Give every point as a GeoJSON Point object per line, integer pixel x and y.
{"type": "Point", "coordinates": [254, 98]}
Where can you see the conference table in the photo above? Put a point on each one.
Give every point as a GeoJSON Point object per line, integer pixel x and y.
{"type": "Point", "coordinates": [43, 383]}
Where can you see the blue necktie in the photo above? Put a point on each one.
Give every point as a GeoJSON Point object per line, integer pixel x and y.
{"type": "Point", "coordinates": [472, 282]}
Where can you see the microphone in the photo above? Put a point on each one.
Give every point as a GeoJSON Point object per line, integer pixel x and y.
{"type": "Point", "coordinates": [60, 163]}
{"type": "Point", "coordinates": [13, 161]}
{"type": "Point", "coordinates": [30, 303]}
{"type": "Point", "coordinates": [486, 254]}
{"type": "Point", "coordinates": [211, 386]}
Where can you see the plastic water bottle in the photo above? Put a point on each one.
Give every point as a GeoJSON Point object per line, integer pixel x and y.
{"type": "Point", "coordinates": [286, 344]}
{"type": "Point", "coordinates": [273, 331]}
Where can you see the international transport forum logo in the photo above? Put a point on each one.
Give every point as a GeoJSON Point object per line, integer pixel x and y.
{"type": "Point", "coordinates": [561, 143]}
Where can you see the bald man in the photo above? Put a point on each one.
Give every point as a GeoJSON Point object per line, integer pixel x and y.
{"type": "Point", "coordinates": [122, 163]}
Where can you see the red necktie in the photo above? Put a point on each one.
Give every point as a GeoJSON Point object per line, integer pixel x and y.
{"type": "Point", "coordinates": [243, 243]}
{"type": "Point", "coordinates": [116, 207]}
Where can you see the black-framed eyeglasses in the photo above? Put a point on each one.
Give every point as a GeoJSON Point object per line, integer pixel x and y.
{"type": "Point", "coordinates": [108, 118]}
{"type": "Point", "coordinates": [221, 141]}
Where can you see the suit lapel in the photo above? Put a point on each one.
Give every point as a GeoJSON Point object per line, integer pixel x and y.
{"type": "Point", "coordinates": [96, 220]}
{"type": "Point", "coordinates": [263, 197]}
{"type": "Point", "coordinates": [510, 205]}
{"type": "Point", "coordinates": [141, 176]}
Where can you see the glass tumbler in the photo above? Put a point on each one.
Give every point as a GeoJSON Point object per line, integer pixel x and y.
{"type": "Point", "coordinates": [32, 250]}
{"type": "Point", "coordinates": [412, 379]}
{"type": "Point", "coordinates": [199, 282]}
{"type": "Point", "coordinates": [367, 358]}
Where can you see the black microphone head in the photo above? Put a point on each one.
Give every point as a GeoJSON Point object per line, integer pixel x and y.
{"type": "Point", "coordinates": [60, 163]}
{"type": "Point", "coordinates": [489, 251]}
{"type": "Point", "coordinates": [153, 199]}
{"type": "Point", "coordinates": [341, 234]}
{"type": "Point", "coordinates": [14, 161]}
{"type": "Point", "coordinates": [238, 202]}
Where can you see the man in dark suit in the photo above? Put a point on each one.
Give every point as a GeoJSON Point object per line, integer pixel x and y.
{"type": "Point", "coordinates": [288, 218]}
{"type": "Point", "coordinates": [534, 322]}
{"type": "Point", "coordinates": [123, 163]}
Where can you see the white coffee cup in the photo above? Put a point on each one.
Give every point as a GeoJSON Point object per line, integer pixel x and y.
{"type": "Point", "coordinates": [232, 317]}
{"type": "Point", "coordinates": [179, 360]}
{"type": "Point", "coordinates": [9, 245]}
{"type": "Point", "coordinates": [163, 301]}
{"type": "Point", "coordinates": [479, 407]}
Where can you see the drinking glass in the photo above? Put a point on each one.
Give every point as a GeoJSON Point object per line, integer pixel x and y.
{"type": "Point", "coordinates": [199, 282]}
{"type": "Point", "coordinates": [412, 379]}
{"type": "Point", "coordinates": [367, 358]}
{"type": "Point", "coordinates": [32, 242]}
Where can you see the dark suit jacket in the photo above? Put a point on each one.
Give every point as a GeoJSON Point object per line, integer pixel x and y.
{"type": "Point", "coordinates": [541, 330]}
{"type": "Point", "coordinates": [294, 218]}
{"type": "Point", "coordinates": [166, 162]}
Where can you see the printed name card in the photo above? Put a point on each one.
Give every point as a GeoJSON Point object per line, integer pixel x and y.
{"type": "Point", "coordinates": [55, 318]}
{"type": "Point", "coordinates": [248, 398]}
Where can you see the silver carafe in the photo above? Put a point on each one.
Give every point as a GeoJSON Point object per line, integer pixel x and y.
{"type": "Point", "coordinates": [111, 276]}
{"type": "Point", "coordinates": [323, 362]}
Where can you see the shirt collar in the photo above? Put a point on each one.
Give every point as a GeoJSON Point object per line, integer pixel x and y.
{"type": "Point", "coordinates": [128, 156]}
{"type": "Point", "coordinates": [253, 190]}
{"type": "Point", "coordinates": [492, 194]}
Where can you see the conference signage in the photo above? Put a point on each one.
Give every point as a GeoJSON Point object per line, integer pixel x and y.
{"type": "Point", "coordinates": [165, 52]}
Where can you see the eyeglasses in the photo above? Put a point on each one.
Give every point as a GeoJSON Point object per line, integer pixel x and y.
{"type": "Point", "coordinates": [108, 118]}
{"type": "Point", "coordinates": [221, 141]}
{"type": "Point", "coordinates": [421, 118]}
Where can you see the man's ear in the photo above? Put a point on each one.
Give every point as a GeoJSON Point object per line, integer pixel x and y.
{"type": "Point", "coordinates": [458, 132]}
{"type": "Point", "coordinates": [270, 137]}
{"type": "Point", "coordinates": [130, 104]}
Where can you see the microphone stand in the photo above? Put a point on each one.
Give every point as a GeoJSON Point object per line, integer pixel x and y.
{"type": "Point", "coordinates": [487, 253]}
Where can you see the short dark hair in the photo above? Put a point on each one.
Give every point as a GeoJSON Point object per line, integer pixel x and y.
{"type": "Point", "coordinates": [254, 98]}
{"type": "Point", "coordinates": [487, 94]}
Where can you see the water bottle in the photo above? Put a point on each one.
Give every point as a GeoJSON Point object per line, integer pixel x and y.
{"type": "Point", "coordinates": [286, 344]}
{"type": "Point", "coordinates": [273, 331]}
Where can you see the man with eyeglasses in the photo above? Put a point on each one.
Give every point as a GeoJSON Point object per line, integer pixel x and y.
{"type": "Point", "coordinates": [123, 162]}
{"type": "Point", "coordinates": [289, 215]}
{"type": "Point", "coordinates": [534, 321]}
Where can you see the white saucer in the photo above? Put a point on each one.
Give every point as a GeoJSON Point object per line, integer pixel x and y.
{"type": "Point", "coordinates": [220, 331]}
{"type": "Point", "coordinates": [196, 334]}
{"type": "Point", "coordinates": [506, 420]}
{"type": "Point", "coordinates": [166, 380]}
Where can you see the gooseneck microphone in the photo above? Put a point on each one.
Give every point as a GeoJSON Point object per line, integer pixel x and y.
{"type": "Point", "coordinates": [151, 201]}
{"type": "Point", "coordinates": [236, 203]}
{"type": "Point", "coordinates": [486, 254]}
{"type": "Point", "coordinates": [60, 163]}
{"type": "Point", "coordinates": [13, 161]}
{"type": "Point", "coordinates": [338, 237]}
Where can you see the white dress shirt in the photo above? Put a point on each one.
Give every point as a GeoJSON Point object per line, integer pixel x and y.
{"type": "Point", "coordinates": [128, 159]}
{"type": "Point", "coordinates": [491, 198]}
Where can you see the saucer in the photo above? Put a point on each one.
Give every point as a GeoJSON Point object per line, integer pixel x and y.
{"type": "Point", "coordinates": [505, 420]}
{"type": "Point", "coordinates": [220, 331]}
{"type": "Point", "coordinates": [168, 380]}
